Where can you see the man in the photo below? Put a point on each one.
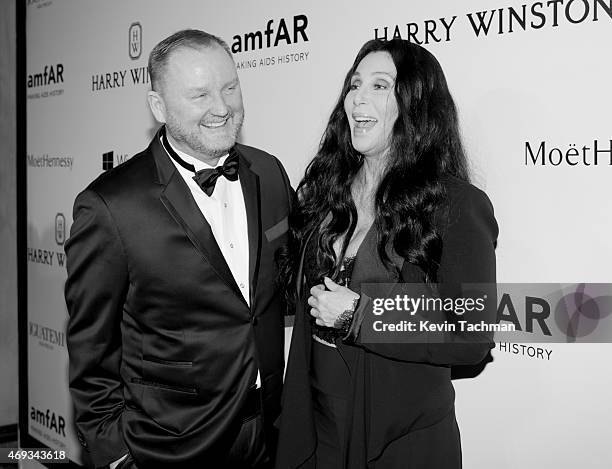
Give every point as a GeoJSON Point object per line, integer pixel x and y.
{"type": "Point", "coordinates": [175, 333]}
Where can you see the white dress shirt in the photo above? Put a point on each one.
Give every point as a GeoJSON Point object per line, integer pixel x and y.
{"type": "Point", "coordinates": [225, 212]}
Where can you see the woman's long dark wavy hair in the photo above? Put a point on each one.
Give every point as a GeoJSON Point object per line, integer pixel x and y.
{"type": "Point", "coordinates": [425, 147]}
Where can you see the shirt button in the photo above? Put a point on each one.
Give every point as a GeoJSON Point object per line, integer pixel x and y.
{"type": "Point", "coordinates": [242, 285]}
{"type": "Point", "coordinates": [232, 245]}
{"type": "Point", "coordinates": [225, 204]}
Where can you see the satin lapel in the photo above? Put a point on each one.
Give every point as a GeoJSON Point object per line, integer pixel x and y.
{"type": "Point", "coordinates": [178, 200]}
{"type": "Point", "coordinates": [249, 181]}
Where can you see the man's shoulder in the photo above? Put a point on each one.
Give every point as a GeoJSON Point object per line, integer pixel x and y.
{"type": "Point", "coordinates": [253, 152]}
{"type": "Point", "coordinates": [275, 183]}
{"type": "Point", "coordinates": [260, 160]}
{"type": "Point", "coordinates": [126, 176]}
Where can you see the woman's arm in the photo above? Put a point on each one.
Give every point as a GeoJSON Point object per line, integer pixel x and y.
{"type": "Point", "coordinates": [468, 256]}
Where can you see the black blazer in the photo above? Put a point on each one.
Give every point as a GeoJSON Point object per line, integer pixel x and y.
{"type": "Point", "coordinates": [401, 407]}
{"type": "Point", "coordinates": [162, 345]}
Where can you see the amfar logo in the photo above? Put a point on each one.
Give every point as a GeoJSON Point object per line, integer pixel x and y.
{"type": "Point", "coordinates": [285, 33]}
{"type": "Point", "coordinates": [51, 75]}
{"type": "Point", "coordinates": [108, 160]}
{"type": "Point", "coordinates": [274, 35]}
{"type": "Point", "coordinates": [49, 420]}
{"type": "Point", "coordinates": [135, 40]}
{"type": "Point", "coordinates": [60, 229]}
{"type": "Point", "coordinates": [47, 336]}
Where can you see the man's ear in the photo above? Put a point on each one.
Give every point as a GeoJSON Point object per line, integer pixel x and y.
{"type": "Point", "coordinates": [157, 105]}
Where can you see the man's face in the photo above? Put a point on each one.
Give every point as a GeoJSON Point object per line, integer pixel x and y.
{"type": "Point", "coordinates": [200, 101]}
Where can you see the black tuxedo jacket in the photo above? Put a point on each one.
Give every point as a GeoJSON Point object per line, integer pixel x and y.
{"type": "Point", "coordinates": [162, 345]}
{"type": "Point", "coordinates": [400, 411]}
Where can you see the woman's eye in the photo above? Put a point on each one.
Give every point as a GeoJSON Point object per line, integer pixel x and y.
{"type": "Point", "coordinates": [354, 86]}
{"type": "Point", "coordinates": [380, 86]}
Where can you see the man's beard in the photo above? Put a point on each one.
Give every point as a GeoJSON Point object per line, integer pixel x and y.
{"type": "Point", "coordinates": [195, 141]}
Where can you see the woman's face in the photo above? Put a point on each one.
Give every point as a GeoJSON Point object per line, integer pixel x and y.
{"type": "Point", "coordinates": [370, 104]}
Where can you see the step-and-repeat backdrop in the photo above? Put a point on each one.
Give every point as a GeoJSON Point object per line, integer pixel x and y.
{"type": "Point", "coordinates": [532, 84]}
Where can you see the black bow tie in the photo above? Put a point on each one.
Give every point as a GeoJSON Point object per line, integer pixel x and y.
{"type": "Point", "coordinates": [206, 178]}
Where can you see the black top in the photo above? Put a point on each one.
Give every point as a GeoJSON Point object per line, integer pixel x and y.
{"type": "Point", "coordinates": [401, 401]}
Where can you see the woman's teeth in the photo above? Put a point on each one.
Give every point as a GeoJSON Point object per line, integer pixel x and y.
{"type": "Point", "coordinates": [365, 122]}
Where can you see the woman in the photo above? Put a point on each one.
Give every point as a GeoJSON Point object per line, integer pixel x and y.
{"type": "Point", "coordinates": [386, 199]}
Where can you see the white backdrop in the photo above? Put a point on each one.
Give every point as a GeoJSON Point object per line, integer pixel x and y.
{"type": "Point", "coordinates": [548, 82]}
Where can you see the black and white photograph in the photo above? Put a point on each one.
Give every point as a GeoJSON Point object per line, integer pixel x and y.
{"type": "Point", "coordinates": [305, 235]}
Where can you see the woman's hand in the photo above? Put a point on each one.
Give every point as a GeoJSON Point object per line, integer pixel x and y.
{"type": "Point", "coordinates": [328, 304]}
